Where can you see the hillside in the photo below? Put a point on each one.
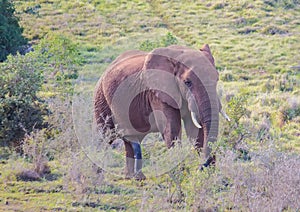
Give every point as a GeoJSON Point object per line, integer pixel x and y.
{"type": "Point", "coordinates": [256, 49]}
{"type": "Point", "coordinates": [255, 44]}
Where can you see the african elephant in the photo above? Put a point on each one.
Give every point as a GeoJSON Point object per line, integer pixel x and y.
{"type": "Point", "coordinates": [143, 92]}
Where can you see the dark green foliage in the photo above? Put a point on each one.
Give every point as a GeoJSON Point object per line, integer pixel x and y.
{"type": "Point", "coordinates": [20, 108]}
{"type": "Point", "coordinates": [49, 70]}
{"type": "Point", "coordinates": [10, 31]}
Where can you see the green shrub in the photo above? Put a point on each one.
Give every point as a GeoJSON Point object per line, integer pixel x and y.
{"type": "Point", "coordinates": [237, 108]}
{"type": "Point", "coordinates": [60, 59]}
{"type": "Point", "coordinates": [21, 109]}
{"type": "Point", "coordinates": [236, 131]}
{"type": "Point", "coordinates": [10, 31]}
{"type": "Point", "coordinates": [25, 80]}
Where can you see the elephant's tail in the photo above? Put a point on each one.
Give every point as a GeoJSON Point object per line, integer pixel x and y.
{"type": "Point", "coordinates": [103, 114]}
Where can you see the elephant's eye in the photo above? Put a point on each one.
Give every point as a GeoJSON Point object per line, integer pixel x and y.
{"type": "Point", "coordinates": [188, 83]}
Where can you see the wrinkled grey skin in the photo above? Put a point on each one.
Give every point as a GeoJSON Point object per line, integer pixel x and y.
{"type": "Point", "coordinates": [144, 92]}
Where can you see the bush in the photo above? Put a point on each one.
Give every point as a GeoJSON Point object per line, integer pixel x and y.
{"type": "Point", "coordinates": [50, 68]}
{"type": "Point", "coordinates": [237, 131]}
{"type": "Point", "coordinates": [60, 59]}
{"type": "Point", "coordinates": [10, 31]}
{"type": "Point", "coordinates": [268, 183]}
{"type": "Point", "coordinates": [20, 108]}
{"type": "Point", "coordinates": [237, 108]}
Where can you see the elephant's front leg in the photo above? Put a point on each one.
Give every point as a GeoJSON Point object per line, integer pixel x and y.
{"type": "Point", "coordinates": [129, 153]}
{"type": "Point", "coordinates": [168, 121]}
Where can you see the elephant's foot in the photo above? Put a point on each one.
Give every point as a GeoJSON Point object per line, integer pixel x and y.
{"type": "Point", "coordinates": [139, 176]}
{"type": "Point", "coordinates": [129, 169]}
{"type": "Point", "coordinates": [211, 161]}
{"type": "Point", "coordinates": [133, 169]}
{"type": "Point", "coordinates": [128, 175]}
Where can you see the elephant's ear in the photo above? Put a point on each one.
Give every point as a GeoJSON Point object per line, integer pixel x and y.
{"type": "Point", "coordinates": [206, 50]}
{"type": "Point", "coordinates": [159, 76]}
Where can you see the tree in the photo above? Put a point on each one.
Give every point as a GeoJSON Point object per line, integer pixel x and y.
{"type": "Point", "coordinates": [10, 31]}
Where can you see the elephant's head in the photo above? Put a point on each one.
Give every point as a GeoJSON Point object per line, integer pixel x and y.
{"type": "Point", "coordinates": [193, 84]}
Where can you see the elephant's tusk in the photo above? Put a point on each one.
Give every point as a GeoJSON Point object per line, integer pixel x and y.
{"type": "Point", "coordinates": [194, 119]}
{"type": "Point", "coordinates": [225, 115]}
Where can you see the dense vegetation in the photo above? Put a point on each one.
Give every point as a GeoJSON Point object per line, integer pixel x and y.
{"type": "Point", "coordinates": [48, 69]}
{"type": "Point", "coordinates": [256, 46]}
{"type": "Point", "coordinates": [11, 38]}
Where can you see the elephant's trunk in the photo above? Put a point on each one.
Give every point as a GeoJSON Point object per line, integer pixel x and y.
{"type": "Point", "coordinates": [208, 116]}
{"type": "Point", "coordinates": [210, 131]}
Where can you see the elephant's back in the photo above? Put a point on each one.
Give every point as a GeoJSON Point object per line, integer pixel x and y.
{"type": "Point", "coordinates": [129, 64]}
{"type": "Point", "coordinates": [127, 55]}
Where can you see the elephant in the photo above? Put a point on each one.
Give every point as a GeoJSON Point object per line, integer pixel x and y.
{"type": "Point", "coordinates": [143, 92]}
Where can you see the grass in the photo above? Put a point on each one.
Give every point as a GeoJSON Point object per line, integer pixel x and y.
{"type": "Point", "coordinates": [255, 44]}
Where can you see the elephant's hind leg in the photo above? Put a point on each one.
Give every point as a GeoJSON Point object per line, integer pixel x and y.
{"type": "Point", "coordinates": [134, 161]}
{"type": "Point", "coordinates": [129, 169]}
{"type": "Point", "coordinates": [103, 114]}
